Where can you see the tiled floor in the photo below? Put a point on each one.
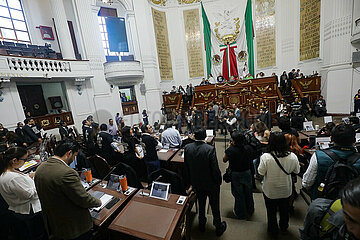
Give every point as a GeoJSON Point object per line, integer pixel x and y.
{"type": "Point", "coordinates": [256, 228]}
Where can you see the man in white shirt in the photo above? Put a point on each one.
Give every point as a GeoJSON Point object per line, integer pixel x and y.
{"type": "Point", "coordinates": [112, 128]}
{"type": "Point", "coordinates": [231, 122]}
{"type": "Point", "coordinates": [171, 137]}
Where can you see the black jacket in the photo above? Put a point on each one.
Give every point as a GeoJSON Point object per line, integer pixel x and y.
{"type": "Point", "coordinates": [64, 132]}
{"type": "Point", "coordinates": [150, 147]}
{"type": "Point", "coordinates": [202, 166]}
{"type": "Point", "coordinates": [20, 136]}
{"type": "Point", "coordinates": [29, 135]}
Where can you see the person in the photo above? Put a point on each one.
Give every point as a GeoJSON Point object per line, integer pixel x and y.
{"type": "Point", "coordinates": [261, 132]}
{"type": "Point", "coordinates": [173, 90]}
{"type": "Point", "coordinates": [188, 119]}
{"type": "Point", "coordinates": [276, 167]}
{"type": "Point", "coordinates": [305, 107]}
{"type": "Point", "coordinates": [285, 126]}
{"type": "Point", "coordinates": [181, 90]}
{"type": "Point", "coordinates": [268, 118]}
{"type": "Point", "coordinates": [276, 78]}
{"type": "Point", "coordinates": [231, 122]}
{"type": "Point", "coordinates": [343, 137]}
{"type": "Point", "coordinates": [131, 154]}
{"type": "Point", "coordinates": [223, 114]}
{"type": "Point", "coordinates": [296, 105]}
{"type": "Point", "coordinates": [357, 102]}
{"type": "Point", "coordinates": [325, 131]}
{"type": "Point", "coordinates": [3, 132]}
{"type": "Point", "coordinates": [211, 118]}
{"type": "Point", "coordinates": [111, 128]}
{"type": "Point", "coordinates": [211, 79]}
{"type": "Point", "coordinates": [103, 143]}
{"type": "Point", "coordinates": [30, 136]}
{"type": "Point", "coordinates": [123, 97]}
{"type": "Point", "coordinates": [171, 136]}
{"type": "Point", "coordinates": [320, 107]}
{"type": "Point", "coordinates": [241, 181]}
{"type": "Point", "coordinates": [87, 131]}
{"type": "Point", "coordinates": [220, 78]}
{"type": "Point", "coordinates": [203, 82]}
{"type": "Point", "coordinates": [20, 135]}
{"type": "Point", "coordinates": [354, 122]}
{"type": "Point", "coordinates": [179, 121]}
{"type": "Point", "coordinates": [197, 118]}
{"type": "Point", "coordinates": [205, 177]}
{"type": "Point", "coordinates": [64, 131]}
{"type": "Point", "coordinates": [297, 73]}
{"type": "Point", "coordinates": [216, 109]}
{"type": "Point", "coordinates": [19, 192]}
{"type": "Point", "coordinates": [281, 108]}
{"type": "Point", "coordinates": [118, 119]}
{"type": "Point", "coordinates": [190, 92]}
{"type": "Point", "coordinates": [297, 120]}
{"type": "Point", "coordinates": [64, 200]}
{"type": "Point", "coordinates": [145, 117]}
{"type": "Point", "coordinates": [292, 74]}
{"type": "Point", "coordinates": [151, 158]}
{"type": "Point", "coordinates": [283, 82]}
{"type": "Point", "coordinates": [342, 216]}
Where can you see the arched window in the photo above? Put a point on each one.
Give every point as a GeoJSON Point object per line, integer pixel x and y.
{"type": "Point", "coordinates": [12, 22]}
{"type": "Point", "coordinates": [113, 34]}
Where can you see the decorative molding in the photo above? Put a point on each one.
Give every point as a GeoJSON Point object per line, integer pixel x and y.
{"type": "Point", "coordinates": [123, 73]}
{"type": "Point", "coordinates": [188, 1]}
{"type": "Point", "coordinates": [39, 65]}
{"type": "Point", "coordinates": [159, 2]}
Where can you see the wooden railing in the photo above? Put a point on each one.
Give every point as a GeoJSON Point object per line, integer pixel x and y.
{"type": "Point", "coordinates": [130, 108]}
{"type": "Point", "coordinates": [52, 120]}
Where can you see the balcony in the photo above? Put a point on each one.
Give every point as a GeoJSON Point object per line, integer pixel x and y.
{"type": "Point", "coordinates": [31, 67]}
{"type": "Point", "coordinates": [123, 73]}
{"type": "Point", "coordinates": [355, 38]}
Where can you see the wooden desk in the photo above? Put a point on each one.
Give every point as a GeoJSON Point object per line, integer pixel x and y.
{"type": "Point", "coordinates": [106, 215]}
{"type": "Point", "coordinates": [166, 156]}
{"type": "Point", "coordinates": [309, 133]}
{"type": "Point", "coordinates": [150, 219]}
{"type": "Point", "coordinates": [178, 157]}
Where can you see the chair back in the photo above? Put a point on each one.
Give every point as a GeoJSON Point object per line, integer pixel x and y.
{"type": "Point", "coordinates": [177, 184]}
{"type": "Point", "coordinates": [101, 166]}
{"type": "Point", "coordinates": [131, 176]}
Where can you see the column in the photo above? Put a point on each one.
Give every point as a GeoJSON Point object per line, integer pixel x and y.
{"type": "Point", "coordinates": [62, 29]}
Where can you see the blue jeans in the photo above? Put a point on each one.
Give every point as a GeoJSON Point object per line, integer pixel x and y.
{"type": "Point", "coordinates": [241, 189]}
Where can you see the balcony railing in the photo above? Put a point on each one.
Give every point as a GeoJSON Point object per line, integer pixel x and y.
{"type": "Point", "coordinates": [17, 66]}
{"type": "Point", "coordinates": [123, 73]}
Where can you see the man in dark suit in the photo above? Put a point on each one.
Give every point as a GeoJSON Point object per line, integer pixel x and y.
{"type": "Point", "coordinates": [103, 142]}
{"type": "Point", "coordinates": [151, 159]}
{"type": "Point", "coordinates": [30, 136]}
{"type": "Point", "coordinates": [64, 201]}
{"type": "Point", "coordinates": [205, 177]}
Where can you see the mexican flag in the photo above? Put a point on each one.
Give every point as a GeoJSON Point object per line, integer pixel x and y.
{"type": "Point", "coordinates": [220, 20]}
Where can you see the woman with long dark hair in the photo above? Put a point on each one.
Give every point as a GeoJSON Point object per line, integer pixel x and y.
{"type": "Point", "coordinates": [19, 192]}
{"type": "Point", "coordinates": [241, 182]}
{"type": "Point", "coordinates": [130, 142]}
{"type": "Point", "coordinates": [276, 166]}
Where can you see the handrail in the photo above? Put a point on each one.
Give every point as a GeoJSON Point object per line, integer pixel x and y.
{"type": "Point", "coordinates": [297, 88]}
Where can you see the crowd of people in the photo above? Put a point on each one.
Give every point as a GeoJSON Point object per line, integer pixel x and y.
{"type": "Point", "coordinates": [255, 153]}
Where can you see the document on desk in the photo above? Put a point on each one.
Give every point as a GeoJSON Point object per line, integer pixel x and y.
{"type": "Point", "coordinates": [27, 165]}
{"type": "Point", "coordinates": [104, 200]}
{"type": "Point", "coordinates": [163, 150]}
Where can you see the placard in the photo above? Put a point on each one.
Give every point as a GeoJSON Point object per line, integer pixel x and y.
{"type": "Point", "coordinates": [309, 29]}
{"type": "Point", "coordinates": [193, 43]}
{"type": "Point", "coordinates": [265, 33]}
{"type": "Point", "coordinates": [162, 44]}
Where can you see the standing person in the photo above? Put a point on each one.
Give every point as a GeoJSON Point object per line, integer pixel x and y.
{"type": "Point", "coordinates": [211, 119]}
{"type": "Point", "coordinates": [64, 131]}
{"type": "Point", "coordinates": [151, 158]}
{"type": "Point", "coordinates": [30, 136]}
{"type": "Point", "coordinates": [3, 132]}
{"type": "Point", "coordinates": [163, 112]}
{"type": "Point", "coordinates": [190, 92]}
{"type": "Point", "coordinates": [276, 167]}
{"type": "Point", "coordinates": [305, 107]}
{"type": "Point", "coordinates": [198, 118]}
{"type": "Point", "coordinates": [145, 117]}
{"type": "Point", "coordinates": [87, 131]}
{"type": "Point", "coordinates": [281, 108]}
{"type": "Point", "coordinates": [216, 109]}
{"type": "Point", "coordinates": [223, 114]}
{"type": "Point", "coordinates": [111, 128]}
{"type": "Point", "coordinates": [231, 122]}
{"type": "Point", "coordinates": [179, 122]}
{"type": "Point", "coordinates": [205, 177]}
{"type": "Point", "coordinates": [357, 102]}
{"type": "Point", "coordinates": [276, 78]}
{"type": "Point", "coordinates": [63, 198]}
{"type": "Point", "coordinates": [181, 90]}
{"type": "Point", "coordinates": [188, 119]}
{"type": "Point", "coordinates": [19, 192]}
{"type": "Point", "coordinates": [118, 119]}
{"type": "Point", "coordinates": [283, 82]}
{"type": "Point", "coordinates": [211, 79]}
{"type": "Point", "coordinates": [241, 181]}
{"type": "Point", "coordinates": [103, 143]}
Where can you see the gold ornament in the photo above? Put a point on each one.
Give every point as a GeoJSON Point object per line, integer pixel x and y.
{"type": "Point", "coordinates": [228, 38]}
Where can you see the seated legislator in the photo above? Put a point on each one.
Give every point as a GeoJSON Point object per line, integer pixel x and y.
{"type": "Point", "coordinates": [171, 136]}
{"type": "Point", "coordinates": [30, 136]}
{"type": "Point", "coordinates": [19, 192]}
{"type": "Point", "coordinates": [3, 132]}
{"type": "Point", "coordinates": [64, 201]}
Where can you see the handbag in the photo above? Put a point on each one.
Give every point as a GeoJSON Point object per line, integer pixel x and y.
{"type": "Point", "coordinates": [227, 175]}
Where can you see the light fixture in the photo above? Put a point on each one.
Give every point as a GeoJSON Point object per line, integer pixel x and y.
{"type": "Point", "coordinates": [107, 1]}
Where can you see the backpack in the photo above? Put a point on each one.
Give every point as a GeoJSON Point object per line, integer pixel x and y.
{"type": "Point", "coordinates": [322, 218]}
{"type": "Point", "coordinates": [340, 172]}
